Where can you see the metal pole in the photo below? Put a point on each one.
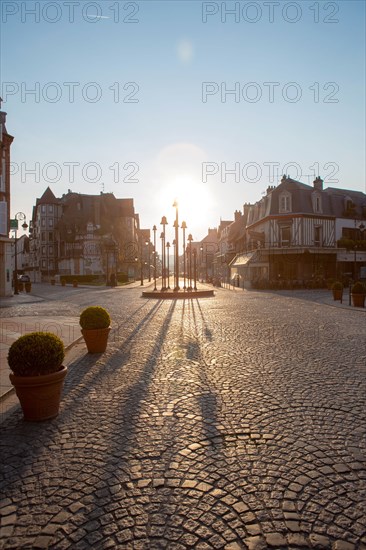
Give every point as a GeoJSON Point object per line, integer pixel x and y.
{"type": "Point", "coordinates": [141, 266]}
{"type": "Point", "coordinates": [184, 227]}
{"type": "Point", "coordinates": [162, 261]}
{"type": "Point", "coordinates": [168, 249]}
{"type": "Point", "coordinates": [154, 230]}
{"type": "Point", "coordinates": [16, 291]}
{"type": "Point", "coordinates": [195, 268]}
{"type": "Point", "coordinates": [176, 251]}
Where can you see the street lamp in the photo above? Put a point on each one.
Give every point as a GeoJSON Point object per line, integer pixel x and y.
{"type": "Point", "coordinates": [168, 250]}
{"type": "Point", "coordinates": [141, 264]}
{"type": "Point", "coordinates": [176, 251]}
{"type": "Point", "coordinates": [154, 230]}
{"type": "Point", "coordinates": [190, 239]}
{"type": "Point", "coordinates": [184, 227]}
{"type": "Point", "coordinates": [201, 249]}
{"type": "Point", "coordinates": [162, 261]}
{"type": "Point", "coordinates": [19, 216]}
{"type": "Point", "coordinates": [174, 263]}
{"type": "Point", "coordinates": [195, 268]}
{"type": "Point", "coordinates": [148, 258]}
{"type": "Point", "coordinates": [163, 222]}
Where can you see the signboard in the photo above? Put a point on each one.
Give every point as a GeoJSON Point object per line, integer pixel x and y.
{"type": "Point", "coordinates": [13, 224]}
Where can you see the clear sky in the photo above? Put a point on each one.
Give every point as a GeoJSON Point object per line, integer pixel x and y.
{"type": "Point", "coordinates": [134, 98]}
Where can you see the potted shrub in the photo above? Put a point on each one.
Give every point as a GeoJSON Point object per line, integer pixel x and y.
{"type": "Point", "coordinates": [20, 286]}
{"type": "Point", "coordinates": [28, 286]}
{"type": "Point", "coordinates": [358, 294]}
{"type": "Point", "coordinates": [95, 327]}
{"type": "Point", "coordinates": [35, 360]}
{"type": "Point", "coordinates": [337, 290]}
{"type": "Point", "coordinates": [63, 282]}
{"type": "Point", "coordinates": [75, 283]}
{"type": "Point", "coordinates": [53, 282]}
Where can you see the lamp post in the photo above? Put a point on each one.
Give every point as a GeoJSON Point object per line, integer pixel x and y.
{"type": "Point", "coordinates": [174, 264]}
{"type": "Point", "coordinates": [201, 263]}
{"type": "Point", "coordinates": [141, 266]}
{"type": "Point", "coordinates": [19, 216]}
{"type": "Point", "coordinates": [190, 239]}
{"type": "Point", "coordinates": [148, 259]}
{"type": "Point", "coordinates": [167, 253]}
{"type": "Point", "coordinates": [176, 250]}
{"type": "Point", "coordinates": [163, 259]}
{"type": "Point", "coordinates": [154, 230]}
{"type": "Point", "coordinates": [195, 269]}
{"type": "Point", "coordinates": [184, 227]}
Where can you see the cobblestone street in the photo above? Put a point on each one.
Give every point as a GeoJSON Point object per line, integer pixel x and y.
{"type": "Point", "coordinates": [234, 422]}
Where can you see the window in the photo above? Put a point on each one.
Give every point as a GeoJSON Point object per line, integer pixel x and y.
{"type": "Point", "coordinates": [50, 222]}
{"type": "Point", "coordinates": [50, 208]}
{"type": "Point", "coordinates": [43, 208]}
{"type": "Point", "coordinates": [43, 264]}
{"type": "Point", "coordinates": [43, 236]}
{"type": "Point", "coordinates": [285, 235]}
{"type": "Point", "coordinates": [317, 235]}
{"type": "Point", "coordinates": [43, 250]}
{"type": "Point", "coordinates": [50, 236]}
{"type": "Point", "coordinates": [43, 222]}
{"type": "Point", "coordinates": [317, 202]}
{"type": "Point", "coordinates": [50, 250]}
{"type": "Point", "coordinates": [285, 202]}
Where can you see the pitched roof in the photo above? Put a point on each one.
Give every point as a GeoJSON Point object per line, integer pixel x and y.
{"type": "Point", "coordinates": [47, 198]}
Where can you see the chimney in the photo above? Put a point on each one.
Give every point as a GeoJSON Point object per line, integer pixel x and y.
{"type": "Point", "coordinates": [318, 184]}
{"type": "Point", "coordinates": [237, 215]}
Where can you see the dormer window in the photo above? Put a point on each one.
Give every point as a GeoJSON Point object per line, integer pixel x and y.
{"type": "Point", "coordinates": [285, 203]}
{"type": "Point", "coordinates": [317, 202]}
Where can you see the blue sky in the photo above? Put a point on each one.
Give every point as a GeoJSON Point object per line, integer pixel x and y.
{"type": "Point", "coordinates": [161, 128]}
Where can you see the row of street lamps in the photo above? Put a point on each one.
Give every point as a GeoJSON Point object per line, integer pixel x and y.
{"type": "Point", "coordinates": [191, 276]}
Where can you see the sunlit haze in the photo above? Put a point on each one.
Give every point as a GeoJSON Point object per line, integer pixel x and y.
{"type": "Point", "coordinates": [206, 102]}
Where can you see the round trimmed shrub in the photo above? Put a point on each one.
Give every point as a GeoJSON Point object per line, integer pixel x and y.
{"type": "Point", "coordinates": [35, 354]}
{"type": "Point", "coordinates": [337, 286]}
{"type": "Point", "coordinates": [358, 288]}
{"type": "Point", "coordinates": [94, 317]}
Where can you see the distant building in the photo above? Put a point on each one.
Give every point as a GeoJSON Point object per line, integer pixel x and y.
{"type": "Point", "coordinates": [301, 234]}
{"type": "Point", "coordinates": [5, 242]}
{"type": "Point", "coordinates": [81, 234]}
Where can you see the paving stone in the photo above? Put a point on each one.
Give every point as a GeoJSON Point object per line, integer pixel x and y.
{"type": "Point", "coordinates": [235, 422]}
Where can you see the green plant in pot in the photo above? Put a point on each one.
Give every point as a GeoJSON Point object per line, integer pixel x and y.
{"type": "Point", "coordinates": [63, 282]}
{"type": "Point", "coordinates": [28, 287]}
{"type": "Point", "coordinates": [337, 290]}
{"type": "Point", "coordinates": [95, 327]}
{"type": "Point", "coordinates": [38, 375]}
{"type": "Point", "coordinates": [358, 294]}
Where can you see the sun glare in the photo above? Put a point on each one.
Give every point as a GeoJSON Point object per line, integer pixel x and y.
{"type": "Point", "coordinates": [193, 197]}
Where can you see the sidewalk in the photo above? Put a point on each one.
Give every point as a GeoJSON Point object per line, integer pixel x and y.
{"type": "Point", "coordinates": [66, 328]}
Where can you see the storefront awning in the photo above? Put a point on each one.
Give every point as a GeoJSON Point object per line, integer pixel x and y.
{"type": "Point", "coordinates": [242, 259]}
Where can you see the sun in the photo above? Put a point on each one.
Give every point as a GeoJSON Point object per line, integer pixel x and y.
{"type": "Point", "coordinates": [179, 178]}
{"type": "Point", "coordinates": [193, 198]}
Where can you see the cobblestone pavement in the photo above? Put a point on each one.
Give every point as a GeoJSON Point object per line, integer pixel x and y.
{"type": "Point", "coordinates": [230, 422]}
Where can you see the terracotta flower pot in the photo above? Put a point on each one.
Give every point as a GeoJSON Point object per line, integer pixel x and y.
{"type": "Point", "coordinates": [28, 287]}
{"type": "Point", "coordinates": [96, 339]}
{"type": "Point", "coordinates": [358, 300]}
{"type": "Point", "coordinates": [39, 396]}
{"type": "Point", "coordinates": [337, 294]}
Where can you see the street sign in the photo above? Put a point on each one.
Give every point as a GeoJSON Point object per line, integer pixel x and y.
{"type": "Point", "coordinates": [13, 224]}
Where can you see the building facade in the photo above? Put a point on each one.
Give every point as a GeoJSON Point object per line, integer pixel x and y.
{"type": "Point", "coordinates": [294, 235]}
{"type": "Point", "coordinates": [81, 234]}
{"type": "Point", "coordinates": [6, 273]}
